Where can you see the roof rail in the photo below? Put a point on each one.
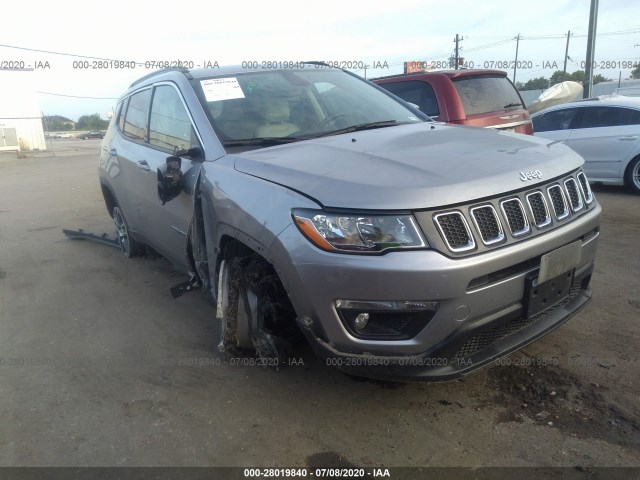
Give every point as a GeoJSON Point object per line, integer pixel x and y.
{"type": "Point", "coordinates": [183, 70]}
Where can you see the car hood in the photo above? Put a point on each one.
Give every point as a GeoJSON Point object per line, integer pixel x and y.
{"type": "Point", "coordinates": [409, 166]}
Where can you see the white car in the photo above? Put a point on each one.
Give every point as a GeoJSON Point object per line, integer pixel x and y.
{"type": "Point", "coordinates": [628, 91]}
{"type": "Point", "coordinates": [605, 131]}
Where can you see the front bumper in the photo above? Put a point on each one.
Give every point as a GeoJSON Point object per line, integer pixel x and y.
{"type": "Point", "coordinates": [489, 288]}
{"type": "Point", "coordinates": [464, 352]}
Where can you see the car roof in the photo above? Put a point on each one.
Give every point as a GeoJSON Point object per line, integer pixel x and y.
{"type": "Point", "coordinates": [448, 73]}
{"type": "Point", "coordinates": [602, 100]}
{"type": "Point", "coordinates": [217, 71]}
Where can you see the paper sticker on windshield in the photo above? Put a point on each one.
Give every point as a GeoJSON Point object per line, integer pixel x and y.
{"type": "Point", "coordinates": [221, 89]}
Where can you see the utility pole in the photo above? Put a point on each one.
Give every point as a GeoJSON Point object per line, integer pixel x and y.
{"type": "Point", "coordinates": [515, 64]}
{"type": "Point", "coordinates": [566, 55]}
{"type": "Point", "coordinates": [591, 46]}
{"type": "Point", "coordinates": [457, 40]}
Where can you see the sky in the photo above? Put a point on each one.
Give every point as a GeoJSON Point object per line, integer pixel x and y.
{"type": "Point", "coordinates": [378, 33]}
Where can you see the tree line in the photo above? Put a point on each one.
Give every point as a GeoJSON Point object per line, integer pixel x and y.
{"type": "Point", "coordinates": [542, 83]}
{"type": "Point", "coordinates": [57, 123]}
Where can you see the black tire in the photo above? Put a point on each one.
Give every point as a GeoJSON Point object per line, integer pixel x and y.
{"type": "Point", "coordinates": [632, 176]}
{"type": "Point", "coordinates": [129, 246]}
{"type": "Point", "coordinates": [250, 284]}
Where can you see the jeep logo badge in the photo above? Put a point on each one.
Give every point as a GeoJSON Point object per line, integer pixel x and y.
{"type": "Point", "coordinates": [526, 176]}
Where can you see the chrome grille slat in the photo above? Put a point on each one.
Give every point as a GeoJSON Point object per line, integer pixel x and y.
{"type": "Point", "coordinates": [455, 231]}
{"type": "Point", "coordinates": [539, 209]}
{"type": "Point", "coordinates": [488, 224]}
{"type": "Point", "coordinates": [585, 187]}
{"type": "Point", "coordinates": [573, 193]}
{"type": "Point", "coordinates": [559, 201]}
{"type": "Point", "coordinates": [502, 221]}
{"type": "Point", "coordinates": [515, 216]}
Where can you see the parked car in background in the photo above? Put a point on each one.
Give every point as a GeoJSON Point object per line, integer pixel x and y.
{"type": "Point", "coordinates": [479, 98]}
{"type": "Point", "coordinates": [57, 135]}
{"type": "Point", "coordinates": [605, 131]}
{"type": "Point", "coordinates": [628, 91]}
{"type": "Point", "coordinates": [91, 134]}
{"type": "Point", "coordinates": [308, 200]}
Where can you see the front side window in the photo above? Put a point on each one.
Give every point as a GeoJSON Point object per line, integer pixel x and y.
{"type": "Point", "coordinates": [487, 93]}
{"type": "Point", "coordinates": [135, 122]}
{"type": "Point", "coordinates": [558, 120]}
{"type": "Point", "coordinates": [169, 124]}
{"type": "Point", "coordinates": [418, 93]}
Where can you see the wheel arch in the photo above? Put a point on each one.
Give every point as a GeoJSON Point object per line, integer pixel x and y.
{"type": "Point", "coordinates": [635, 160]}
{"type": "Point", "coordinates": [109, 198]}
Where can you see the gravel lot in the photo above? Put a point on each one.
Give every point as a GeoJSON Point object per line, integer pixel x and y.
{"type": "Point", "coordinates": [99, 366]}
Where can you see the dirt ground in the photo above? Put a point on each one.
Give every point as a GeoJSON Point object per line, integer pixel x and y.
{"type": "Point", "coordinates": [99, 366]}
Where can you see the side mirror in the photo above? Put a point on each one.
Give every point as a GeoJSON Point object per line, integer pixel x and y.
{"type": "Point", "coordinates": [170, 179]}
{"type": "Point", "coordinates": [193, 152]}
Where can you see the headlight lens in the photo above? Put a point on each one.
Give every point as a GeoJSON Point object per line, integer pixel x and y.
{"type": "Point", "coordinates": [359, 233]}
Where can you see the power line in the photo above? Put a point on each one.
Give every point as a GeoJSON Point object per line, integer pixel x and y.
{"type": "Point", "coordinates": [77, 96]}
{"type": "Point", "coordinates": [59, 53]}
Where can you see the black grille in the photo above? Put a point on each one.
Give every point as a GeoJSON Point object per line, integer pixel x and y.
{"type": "Point", "coordinates": [516, 218]}
{"type": "Point", "coordinates": [586, 189]}
{"type": "Point", "coordinates": [455, 231]}
{"type": "Point", "coordinates": [539, 209]}
{"type": "Point", "coordinates": [488, 224]}
{"type": "Point", "coordinates": [574, 194]}
{"type": "Point", "coordinates": [488, 337]}
{"type": "Point", "coordinates": [559, 203]}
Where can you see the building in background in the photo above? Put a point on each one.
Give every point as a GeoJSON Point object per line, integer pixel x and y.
{"type": "Point", "coordinates": [20, 116]}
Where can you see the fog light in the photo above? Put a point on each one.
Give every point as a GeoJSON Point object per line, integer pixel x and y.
{"type": "Point", "coordinates": [385, 319]}
{"type": "Point", "coordinates": [361, 321]}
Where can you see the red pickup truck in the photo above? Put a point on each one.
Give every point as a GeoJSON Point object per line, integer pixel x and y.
{"type": "Point", "coordinates": [479, 98]}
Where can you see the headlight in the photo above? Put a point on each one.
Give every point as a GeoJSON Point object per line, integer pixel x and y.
{"type": "Point", "coordinates": [359, 233]}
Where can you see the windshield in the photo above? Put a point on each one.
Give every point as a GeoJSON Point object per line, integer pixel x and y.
{"type": "Point", "coordinates": [267, 108]}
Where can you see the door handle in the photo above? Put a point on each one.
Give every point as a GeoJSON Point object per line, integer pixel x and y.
{"type": "Point", "coordinates": [628, 138]}
{"type": "Point", "coordinates": [143, 165]}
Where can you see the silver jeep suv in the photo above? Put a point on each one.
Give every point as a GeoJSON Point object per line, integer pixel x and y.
{"type": "Point", "coordinates": [306, 199]}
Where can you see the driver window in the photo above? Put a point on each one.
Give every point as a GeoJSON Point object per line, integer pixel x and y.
{"type": "Point", "coordinates": [170, 125]}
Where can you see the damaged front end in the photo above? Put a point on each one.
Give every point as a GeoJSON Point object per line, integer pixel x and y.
{"type": "Point", "coordinates": [253, 310]}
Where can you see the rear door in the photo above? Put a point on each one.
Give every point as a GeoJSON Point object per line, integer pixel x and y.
{"type": "Point", "coordinates": [606, 136]}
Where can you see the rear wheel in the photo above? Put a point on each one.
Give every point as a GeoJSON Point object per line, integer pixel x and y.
{"type": "Point", "coordinates": [129, 246]}
{"type": "Point", "coordinates": [632, 177]}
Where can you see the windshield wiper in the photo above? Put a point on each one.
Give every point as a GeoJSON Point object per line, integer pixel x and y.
{"type": "Point", "coordinates": [513, 105]}
{"type": "Point", "coordinates": [362, 126]}
{"type": "Point", "coordinates": [262, 141]}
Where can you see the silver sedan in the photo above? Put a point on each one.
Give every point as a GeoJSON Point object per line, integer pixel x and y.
{"type": "Point", "coordinates": [605, 131]}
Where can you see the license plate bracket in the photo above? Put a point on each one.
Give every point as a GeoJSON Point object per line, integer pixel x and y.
{"type": "Point", "coordinates": [540, 296]}
{"type": "Point", "coordinates": [552, 282]}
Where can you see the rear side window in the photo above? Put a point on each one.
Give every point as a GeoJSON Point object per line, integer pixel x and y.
{"type": "Point", "coordinates": [135, 122]}
{"type": "Point", "coordinates": [594, 117]}
{"type": "Point", "coordinates": [121, 113]}
{"type": "Point", "coordinates": [558, 120]}
{"type": "Point", "coordinates": [418, 93]}
{"type": "Point", "coordinates": [170, 125]}
{"type": "Point", "coordinates": [487, 93]}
